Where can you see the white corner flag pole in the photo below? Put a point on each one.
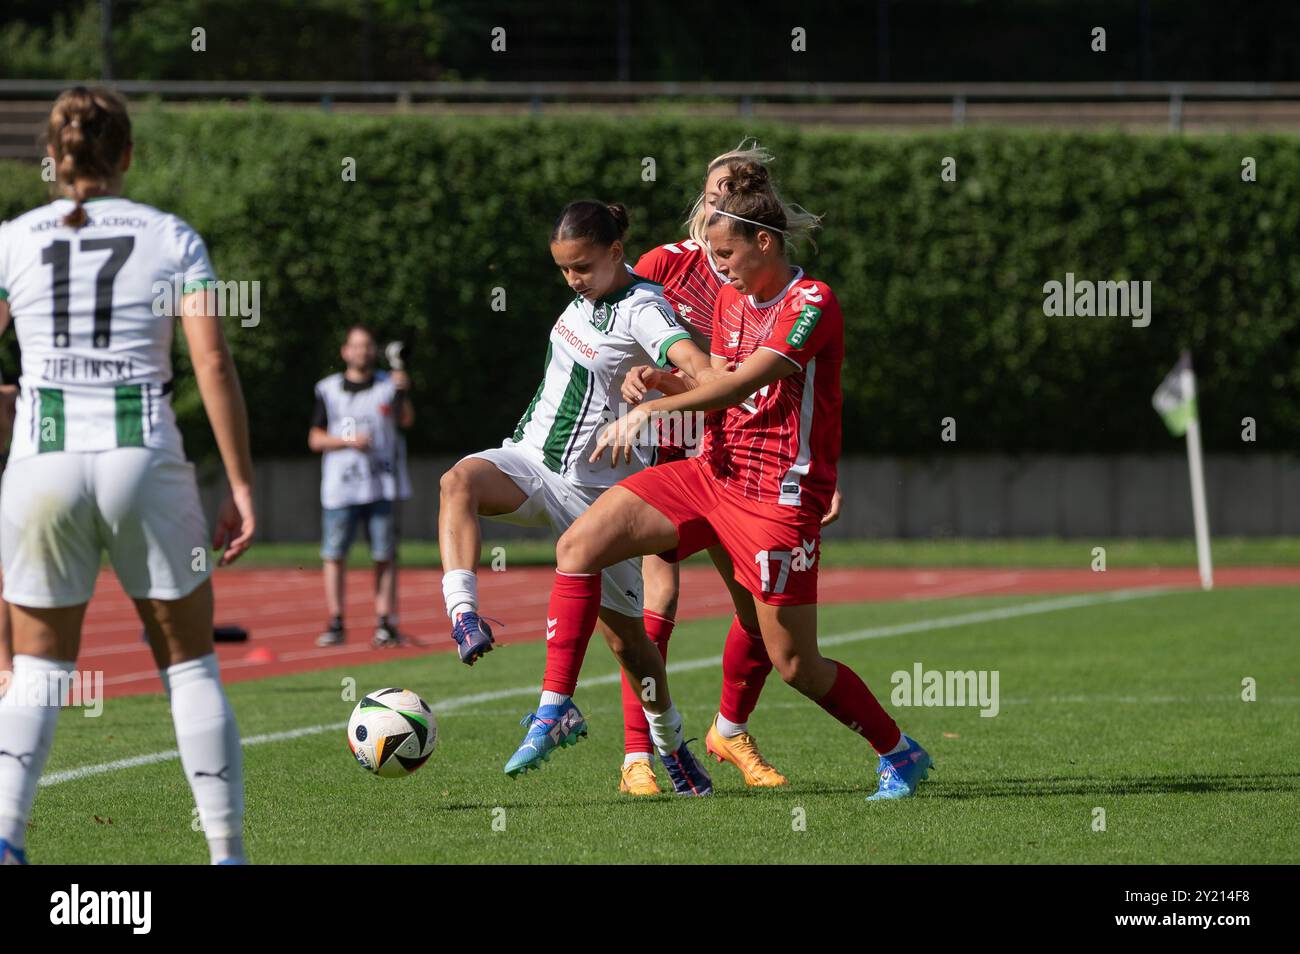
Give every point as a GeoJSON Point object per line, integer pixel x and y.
{"type": "Point", "coordinates": [1195, 466]}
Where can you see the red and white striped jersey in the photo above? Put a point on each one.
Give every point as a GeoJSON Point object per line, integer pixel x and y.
{"type": "Point", "coordinates": [690, 281]}
{"type": "Point", "coordinates": [782, 445]}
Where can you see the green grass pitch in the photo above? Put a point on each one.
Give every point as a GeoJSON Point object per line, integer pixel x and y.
{"type": "Point", "coordinates": [1132, 706]}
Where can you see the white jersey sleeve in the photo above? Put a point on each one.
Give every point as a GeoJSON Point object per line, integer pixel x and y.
{"type": "Point", "coordinates": [193, 264]}
{"type": "Point", "coordinates": [654, 326]}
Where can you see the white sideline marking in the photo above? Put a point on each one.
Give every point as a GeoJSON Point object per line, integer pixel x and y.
{"type": "Point", "coordinates": [875, 632]}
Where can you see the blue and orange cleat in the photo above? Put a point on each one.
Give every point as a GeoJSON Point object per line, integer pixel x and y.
{"type": "Point", "coordinates": [901, 773]}
{"type": "Point", "coordinates": [688, 775]}
{"type": "Point", "coordinates": [550, 728]}
{"type": "Point", "coordinates": [9, 855]}
{"type": "Point", "coordinates": [472, 636]}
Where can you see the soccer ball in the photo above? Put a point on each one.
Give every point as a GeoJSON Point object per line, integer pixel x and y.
{"type": "Point", "coordinates": [392, 732]}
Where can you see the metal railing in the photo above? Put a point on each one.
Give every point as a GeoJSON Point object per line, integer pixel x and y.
{"type": "Point", "coordinates": [1149, 104]}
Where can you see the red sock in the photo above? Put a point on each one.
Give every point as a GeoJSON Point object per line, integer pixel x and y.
{"type": "Point", "coordinates": [852, 703]}
{"type": "Point", "coordinates": [570, 621]}
{"type": "Point", "coordinates": [745, 665]}
{"type": "Point", "coordinates": [636, 731]}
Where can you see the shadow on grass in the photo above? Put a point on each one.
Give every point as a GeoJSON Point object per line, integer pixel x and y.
{"type": "Point", "coordinates": [1181, 783]}
{"type": "Point", "coordinates": [642, 802]}
{"type": "Point", "coordinates": [937, 787]}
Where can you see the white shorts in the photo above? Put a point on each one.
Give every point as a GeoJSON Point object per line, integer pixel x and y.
{"type": "Point", "coordinates": [554, 502]}
{"type": "Point", "coordinates": [60, 511]}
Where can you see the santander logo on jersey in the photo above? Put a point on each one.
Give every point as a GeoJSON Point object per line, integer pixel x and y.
{"type": "Point", "coordinates": [572, 337]}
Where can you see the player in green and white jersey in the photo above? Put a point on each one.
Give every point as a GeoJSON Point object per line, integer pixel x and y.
{"type": "Point", "coordinates": [91, 282]}
{"type": "Point", "coordinates": [541, 476]}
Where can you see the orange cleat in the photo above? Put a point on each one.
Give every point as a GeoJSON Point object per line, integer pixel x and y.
{"type": "Point", "coordinates": [742, 752]}
{"type": "Point", "coordinates": [638, 778]}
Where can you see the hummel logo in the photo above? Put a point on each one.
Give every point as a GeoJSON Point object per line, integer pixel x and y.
{"type": "Point", "coordinates": [812, 293]}
{"type": "Point", "coordinates": [551, 625]}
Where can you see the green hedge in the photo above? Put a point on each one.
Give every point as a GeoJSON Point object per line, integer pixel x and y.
{"type": "Point", "coordinates": [941, 281]}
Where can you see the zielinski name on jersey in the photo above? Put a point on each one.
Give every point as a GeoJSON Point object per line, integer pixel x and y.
{"type": "Point", "coordinates": [87, 369]}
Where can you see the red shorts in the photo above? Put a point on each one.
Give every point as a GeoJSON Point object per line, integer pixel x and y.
{"type": "Point", "coordinates": [669, 454]}
{"type": "Point", "coordinates": [774, 548]}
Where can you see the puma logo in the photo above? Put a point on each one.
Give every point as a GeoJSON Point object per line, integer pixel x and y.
{"type": "Point", "coordinates": [222, 775]}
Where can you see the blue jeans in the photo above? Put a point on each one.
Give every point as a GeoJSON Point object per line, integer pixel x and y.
{"type": "Point", "coordinates": [339, 528]}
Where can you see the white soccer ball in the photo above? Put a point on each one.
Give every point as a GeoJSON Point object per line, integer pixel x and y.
{"type": "Point", "coordinates": [392, 732]}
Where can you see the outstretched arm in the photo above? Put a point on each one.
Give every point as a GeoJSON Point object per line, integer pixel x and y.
{"type": "Point", "coordinates": [714, 391]}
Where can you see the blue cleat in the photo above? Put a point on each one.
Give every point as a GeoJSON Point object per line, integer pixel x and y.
{"type": "Point", "coordinates": [472, 637]}
{"type": "Point", "coordinates": [9, 855]}
{"type": "Point", "coordinates": [688, 775]}
{"type": "Point", "coordinates": [550, 728]}
{"type": "Point", "coordinates": [901, 773]}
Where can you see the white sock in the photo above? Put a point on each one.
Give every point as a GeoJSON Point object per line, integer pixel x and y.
{"type": "Point", "coordinates": [28, 713]}
{"type": "Point", "coordinates": [638, 757]}
{"type": "Point", "coordinates": [553, 698]}
{"type": "Point", "coordinates": [665, 730]}
{"type": "Point", "coordinates": [902, 746]}
{"type": "Point", "coordinates": [208, 740]}
{"type": "Point", "coordinates": [460, 592]}
{"type": "Point", "coordinates": [729, 729]}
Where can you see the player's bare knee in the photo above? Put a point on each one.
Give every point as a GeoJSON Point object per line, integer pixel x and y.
{"type": "Point", "coordinates": [571, 551]}
{"type": "Point", "coordinates": [796, 671]}
{"type": "Point", "coordinates": [662, 602]}
{"type": "Point", "coordinates": [617, 645]}
{"type": "Point", "coordinates": [579, 550]}
{"type": "Point", "coordinates": [456, 485]}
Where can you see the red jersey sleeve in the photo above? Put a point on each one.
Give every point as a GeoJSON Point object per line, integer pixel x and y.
{"type": "Point", "coordinates": [656, 265]}
{"type": "Point", "coordinates": [809, 323]}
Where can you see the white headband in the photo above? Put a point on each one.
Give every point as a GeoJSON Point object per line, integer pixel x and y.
{"type": "Point", "coordinates": [741, 218]}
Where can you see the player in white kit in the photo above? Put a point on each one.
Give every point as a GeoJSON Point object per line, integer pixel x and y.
{"type": "Point", "coordinates": [540, 476]}
{"type": "Point", "coordinates": [90, 282]}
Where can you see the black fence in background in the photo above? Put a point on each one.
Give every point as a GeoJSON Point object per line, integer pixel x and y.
{"type": "Point", "coordinates": [617, 40]}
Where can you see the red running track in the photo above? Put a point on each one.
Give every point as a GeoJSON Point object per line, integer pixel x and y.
{"type": "Point", "coordinates": [283, 610]}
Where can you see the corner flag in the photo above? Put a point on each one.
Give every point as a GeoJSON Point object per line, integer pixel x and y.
{"type": "Point", "coordinates": [1175, 399]}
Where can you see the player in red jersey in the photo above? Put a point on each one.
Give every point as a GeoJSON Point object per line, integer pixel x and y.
{"type": "Point", "coordinates": [691, 283]}
{"type": "Point", "coordinates": [763, 489]}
